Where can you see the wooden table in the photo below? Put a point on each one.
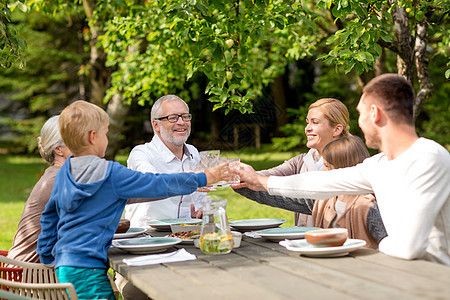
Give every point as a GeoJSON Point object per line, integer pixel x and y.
{"type": "Point", "coordinates": [264, 270]}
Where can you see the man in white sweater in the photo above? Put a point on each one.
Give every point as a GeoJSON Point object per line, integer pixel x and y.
{"type": "Point", "coordinates": [410, 177]}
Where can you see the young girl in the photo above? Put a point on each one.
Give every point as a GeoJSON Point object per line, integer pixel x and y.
{"type": "Point", "coordinates": [358, 213]}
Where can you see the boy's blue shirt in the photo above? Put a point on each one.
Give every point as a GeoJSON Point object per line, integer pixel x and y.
{"type": "Point", "coordinates": [80, 219]}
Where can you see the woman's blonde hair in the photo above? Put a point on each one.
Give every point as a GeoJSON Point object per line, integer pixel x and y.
{"type": "Point", "coordinates": [345, 152]}
{"type": "Point", "coordinates": [335, 112]}
{"type": "Point", "coordinates": [77, 121]}
{"type": "Point", "coordinates": [49, 139]}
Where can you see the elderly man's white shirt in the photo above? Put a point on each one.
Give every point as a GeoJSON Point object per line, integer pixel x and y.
{"type": "Point", "coordinates": [412, 191]}
{"type": "Point", "coordinates": [155, 157]}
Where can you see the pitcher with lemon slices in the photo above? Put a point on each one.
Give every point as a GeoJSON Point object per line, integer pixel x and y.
{"type": "Point", "coordinates": [215, 235]}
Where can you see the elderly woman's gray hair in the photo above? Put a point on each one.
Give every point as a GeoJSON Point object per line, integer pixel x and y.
{"type": "Point", "coordinates": [49, 139]}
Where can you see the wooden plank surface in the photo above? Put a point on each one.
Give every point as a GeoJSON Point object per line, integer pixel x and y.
{"type": "Point", "coordinates": [264, 270]}
{"type": "Point", "coordinates": [319, 271]}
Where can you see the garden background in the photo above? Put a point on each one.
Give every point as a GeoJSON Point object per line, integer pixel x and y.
{"type": "Point", "coordinates": [248, 69]}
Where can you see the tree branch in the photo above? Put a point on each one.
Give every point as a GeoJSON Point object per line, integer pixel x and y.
{"type": "Point", "coordinates": [426, 87]}
{"type": "Point", "coordinates": [393, 46]}
{"type": "Point", "coordinates": [405, 57]}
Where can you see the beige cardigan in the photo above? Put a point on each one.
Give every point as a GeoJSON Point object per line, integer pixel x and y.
{"type": "Point", "coordinates": [354, 217]}
{"type": "Point", "coordinates": [25, 239]}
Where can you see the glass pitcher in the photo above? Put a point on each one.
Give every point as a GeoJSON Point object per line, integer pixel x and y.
{"type": "Point", "coordinates": [215, 235]}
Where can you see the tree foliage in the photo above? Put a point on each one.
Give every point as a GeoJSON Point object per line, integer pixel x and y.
{"type": "Point", "coordinates": [415, 31]}
{"type": "Point", "coordinates": [48, 82]}
{"type": "Point", "coordinates": [12, 44]}
{"type": "Point", "coordinates": [140, 50]}
{"type": "Point", "coordinates": [239, 45]}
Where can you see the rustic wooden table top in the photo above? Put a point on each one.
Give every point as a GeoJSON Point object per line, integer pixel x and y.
{"type": "Point", "coordinates": [260, 269]}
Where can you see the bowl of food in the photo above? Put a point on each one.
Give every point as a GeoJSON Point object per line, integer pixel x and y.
{"type": "Point", "coordinates": [237, 237]}
{"type": "Point", "coordinates": [330, 237]}
{"type": "Point", "coordinates": [123, 227]}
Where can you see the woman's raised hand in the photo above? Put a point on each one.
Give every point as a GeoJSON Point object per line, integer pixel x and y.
{"type": "Point", "coordinates": [249, 178]}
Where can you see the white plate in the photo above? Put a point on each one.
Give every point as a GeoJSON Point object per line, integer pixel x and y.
{"type": "Point", "coordinates": [282, 233]}
{"type": "Point", "coordinates": [132, 232]}
{"type": "Point", "coordinates": [164, 225]}
{"type": "Point", "coordinates": [307, 249]}
{"type": "Point", "coordinates": [146, 245]}
{"type": "Point", "coordinates": [256, 224]}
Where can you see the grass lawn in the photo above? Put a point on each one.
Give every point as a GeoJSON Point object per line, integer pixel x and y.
{"type": "Point", "coordinates": [20, 173]}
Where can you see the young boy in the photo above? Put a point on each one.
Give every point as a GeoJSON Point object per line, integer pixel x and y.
{"type": "Point", "coordinates": [89, 196]}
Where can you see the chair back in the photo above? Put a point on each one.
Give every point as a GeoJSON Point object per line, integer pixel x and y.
{"type": "Point", "coordinates": [48, 291]}
{"type": "Point", "coordinates": [37, 282]}
{"type": "Point", "coordinates": [14, 274]}
{"type": "Point", "coordinates": [32, 272]}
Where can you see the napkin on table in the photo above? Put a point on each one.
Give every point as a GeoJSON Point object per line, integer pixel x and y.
{"type": "Point", "coordinates": [252, 234]}
{"type": "Point", "coordinates": [152, 259]}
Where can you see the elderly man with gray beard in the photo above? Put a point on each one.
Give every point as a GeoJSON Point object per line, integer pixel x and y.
{"type": "Point", "coordinates": [167, 152]}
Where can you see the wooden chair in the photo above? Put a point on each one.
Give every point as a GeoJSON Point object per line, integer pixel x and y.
{"type": "Point", "coordinates": [8, 273]}
{"type": "Point", "coordinates": [63, 291]}
{"type": "Point", "coordinates": [32, 272]}
{"type": "Point", "coordinates": [37, 282]}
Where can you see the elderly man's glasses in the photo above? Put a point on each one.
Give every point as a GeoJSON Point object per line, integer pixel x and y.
{"type": "Point", "coordinates": [174, 118]}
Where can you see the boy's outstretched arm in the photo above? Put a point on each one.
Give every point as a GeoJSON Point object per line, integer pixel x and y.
{"type": "Point", "coordinates": [219, 173]}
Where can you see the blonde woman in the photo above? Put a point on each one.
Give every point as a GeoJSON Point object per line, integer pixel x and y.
{"type": "Point", "coordinates": [53, 150]}
{"type": "Point", "coordinates": [327, 120]}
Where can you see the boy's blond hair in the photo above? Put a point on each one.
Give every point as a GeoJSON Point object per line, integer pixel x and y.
{"type": "Point", "coordinates": [77, 121]}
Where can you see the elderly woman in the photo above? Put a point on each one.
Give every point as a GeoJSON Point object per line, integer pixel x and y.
{"type": "Point", "coordinates": [53, 150]}
{"type": "Point", "coordinates": [327, 120]}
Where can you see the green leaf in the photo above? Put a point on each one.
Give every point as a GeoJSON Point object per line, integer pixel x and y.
{"type": "Point", "coordinates": [359, 69]}
{"type": "Point", "coordinates": [369, 57]}
{"type": "Point", "coordinates": [386, 37]}
{"type": "Point", "coordinates": [419, 15]}
{"type": "Point", "coordinates": [332, 39]}
{"type": "Point", "coordinates": [360, 56]}
{"type": "Point", "coordinates": [377, 49]}
{"type": "Point", "coordinates": [365, 38]}
{"type": "Point", "coordinates": [202, 8]}
{"type": "Point", "coordinates": [362, 13]}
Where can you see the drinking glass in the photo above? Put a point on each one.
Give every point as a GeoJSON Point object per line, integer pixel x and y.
{"type": "Point", "coordinates": [222, 183]}
{"type": "Point", "coordinates": [209, 159]}
{"type": "Point", "coordinates": [234, 163]}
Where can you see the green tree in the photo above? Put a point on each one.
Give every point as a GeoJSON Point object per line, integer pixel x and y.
{"type": "Point", "coordinates": [50, 79]}
{"type": "Point", "coordinates": [140, 50]}
{"type": "Point", "coordinates": [414, 31]}
{"type": "Point", "coordinates": [12, 44]}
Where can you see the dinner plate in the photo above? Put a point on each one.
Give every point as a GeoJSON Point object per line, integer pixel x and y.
{"type": "Point", "coordinates": [256, 224]}
{"type": "Point", "coordinates": [283, 233]}
{"type": "Point", "coordinates": [164, 225]}
{"type": "Point", "coordinates": [146, 245]}
{"type": "Point", "coordinates": [132, 232]}
{"type": "Point", "coordinates": [307, 249]}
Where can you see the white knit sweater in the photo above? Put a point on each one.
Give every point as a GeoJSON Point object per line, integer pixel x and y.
{"type": "Point", "coordinates": [412, 191]}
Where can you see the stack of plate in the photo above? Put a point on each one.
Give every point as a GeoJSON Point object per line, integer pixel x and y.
{"type": "Point", "coordinates": [255, 224]}
{"type": "Point", "coordinates": [283, 233]}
